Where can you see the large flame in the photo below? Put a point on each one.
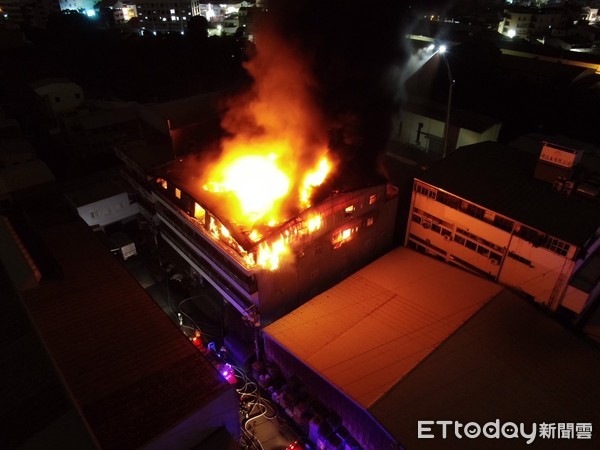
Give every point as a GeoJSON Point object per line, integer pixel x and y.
{"type": "Point", "coordinates": [277, 153]}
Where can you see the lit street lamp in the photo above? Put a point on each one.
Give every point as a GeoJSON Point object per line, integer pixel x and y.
{"type": "Point", "coordinates": [442, 51]}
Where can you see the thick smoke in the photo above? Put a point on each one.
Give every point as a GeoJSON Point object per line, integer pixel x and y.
{"type": "Point", "coordinates": [348, 55]}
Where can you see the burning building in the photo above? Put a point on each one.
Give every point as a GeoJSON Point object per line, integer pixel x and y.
{"type": "Point", "coordinates": [269, 270]}
{"type": "Point", "coordinates": [293, 200]}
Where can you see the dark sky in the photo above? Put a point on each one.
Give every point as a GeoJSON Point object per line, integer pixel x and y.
{"type": "Point", "coordinates": [354, 50]}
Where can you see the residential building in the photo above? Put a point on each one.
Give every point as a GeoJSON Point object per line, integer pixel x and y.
{"type": "Point", "coordinates": [529, 221]}
{"type": "Point", "coordinates": [124, 11]}
{"type": "Point", "coordinates": [165, 17]}
{"type": "Point", "coordinates": [58, 97]}
{"type": "Point", "coordinates": [103, 204]}
{"type": "Point", "coordinates": [524, 22]}
{"type": "Point", "coordinates": [31, 12]}
{"type": "Point", "coordinates": [516, 22]}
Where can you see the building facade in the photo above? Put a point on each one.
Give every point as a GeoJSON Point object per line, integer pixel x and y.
{"type": "Point", "coordinates": [525, 23]}
{"type": "Point", "coordinates": [164, 17]}
{"type": "Point", "coordinates": [528, 227]}
{"type": "Point", "coordinates": [422, 126]}
{"type": "Point", "coordinates": [319, 246]}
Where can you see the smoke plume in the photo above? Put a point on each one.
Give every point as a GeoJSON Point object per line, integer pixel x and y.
{"type": "Point", "coordinates": [332, 67]}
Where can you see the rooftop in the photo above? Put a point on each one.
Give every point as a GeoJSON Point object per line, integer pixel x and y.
{"type": "Point", "coordinates": [372, 329]}
{"type": "Point", "coordinates": [512, 358]}
{"type": "Point", "coordinates": [411, 338]}
{"type": "Point", "coordinates": [112, 346]}
{"type": "Point", "coordinates": [500, 178]}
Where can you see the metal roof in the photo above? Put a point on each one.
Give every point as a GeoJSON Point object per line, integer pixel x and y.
{"type": "Point", "coordinates": [509, 362]}
{"type": "Point", "coordinates": [130, 371]}
{"type": "Point", "coordinates": [501, 179]}
{"type": "Point", "coordinates": [372, 329]}
{"type": "Point", "coordinates": [411, 338]}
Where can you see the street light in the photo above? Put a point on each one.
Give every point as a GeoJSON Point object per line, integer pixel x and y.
{"type": "Point", "coordinates": [442, 50]}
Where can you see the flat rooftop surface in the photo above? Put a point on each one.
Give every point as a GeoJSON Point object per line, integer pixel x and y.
{"type": "Point", "coordinates": [369, 331]}
{"type": "Point", "coordinates": [501, 179]}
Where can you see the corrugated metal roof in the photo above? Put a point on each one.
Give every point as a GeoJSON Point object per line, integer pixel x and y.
{"type": "Point", "coordinates": [509, 362]}
{"type": "Point", "coordinates": [369, 331]}
{"type": "Point", "coordinates": [501, 179]}
{"type": "Point", "coordinates": [131, 372]}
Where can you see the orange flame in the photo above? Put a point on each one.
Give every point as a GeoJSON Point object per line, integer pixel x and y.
{"type": "Point", "coordinates": [277, 153]}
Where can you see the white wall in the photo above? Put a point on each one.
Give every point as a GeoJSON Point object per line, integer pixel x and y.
{"type": "Point", "coordinates": [108, 210]}
{"type": "Point", "coordinates": [544, 275]}
{"type": "Point", "coordinates": [61, 96]}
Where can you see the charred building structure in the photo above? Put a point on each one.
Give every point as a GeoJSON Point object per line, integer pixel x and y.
{"type": "Point", "coordinates": [267, 276]}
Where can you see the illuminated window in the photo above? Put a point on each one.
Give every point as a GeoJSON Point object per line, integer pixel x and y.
{"type": "Point", "coordinates": [370, 221]}
{"type": "Point", "coordinates": [372, 199]}
{"type": "Point", "coordinates": [199, 212]}
{"type": "Point", "coordinates": [172, 11]}
{"type": "Point", "coordinates": [489, 216]}
{"type": "Point", "coordinates": [162, 182]}
{"type": "Point", "coordinates": [349, 210]}
{"type": "Point", "coordinates": [177, 193]}
{"type": "Point", "coordinates": [343, 236]}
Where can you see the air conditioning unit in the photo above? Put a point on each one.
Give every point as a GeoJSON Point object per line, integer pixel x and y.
{"type": "Point", "coordinates": [426, 224]}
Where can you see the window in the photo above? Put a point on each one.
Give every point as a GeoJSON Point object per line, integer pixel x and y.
{"type": "Point", "coordinates": [372, 199]}
{"type": "Point", "coordinates": [349, 210]}
{"type": "Point", "coordinates": [370, 221]}
{"type": "Point", "coordinates": [557, 246]}
{"type": "Point", "coordinates": [199, 212]}
{"type": "Point", "coordinates": [520, 259]}
{"type": "Point", "coordinates": [163, 183]}
{"type": "Point", "coordinates": [470, 245]}
{"type": "Point", "coordinates": [483, 251]}
{"type": "Point", "coordinates": [178, 193]}
{"type": "Point", "coordinates": [495, 258]}
{"type": "Point", "coordinates": [343, 236]}
{"type": "Point", "coordinates": [489, 216]}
